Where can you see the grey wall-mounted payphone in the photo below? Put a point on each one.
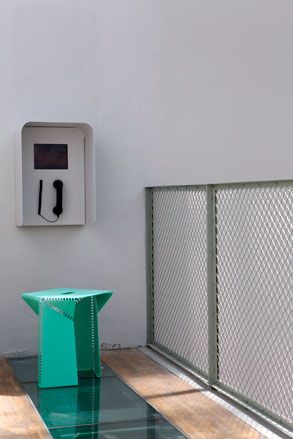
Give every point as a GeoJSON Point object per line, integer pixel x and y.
{"type": "Point", "coordinates": [55, 175]}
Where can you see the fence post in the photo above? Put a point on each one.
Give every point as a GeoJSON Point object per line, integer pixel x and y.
{"type": "Point", "coordinates": [149, 264]}
{"type": "Point", "coordinates": [212, 286]}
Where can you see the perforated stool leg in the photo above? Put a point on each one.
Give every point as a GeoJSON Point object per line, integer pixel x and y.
{"type": "Point", "coordinates": [87, 337]}
{"type": "Point", "coordinates": [57, 350]}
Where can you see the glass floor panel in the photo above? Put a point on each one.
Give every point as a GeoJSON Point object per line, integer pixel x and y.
{"type": "Point", "coordinates": [26, 369]}
{"type": "Point", "coordinates": [100, 408]}
{"type": "Point", "coordinates": [147, 429]}
{"type": "Point", "coordinates": [92, 401]}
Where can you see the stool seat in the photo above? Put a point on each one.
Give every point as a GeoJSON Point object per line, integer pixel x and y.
{"type": "Point", "coordinates": [68, 340]}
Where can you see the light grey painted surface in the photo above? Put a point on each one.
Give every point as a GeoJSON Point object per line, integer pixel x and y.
{"type": "Point", "coordinates": [178, 92]}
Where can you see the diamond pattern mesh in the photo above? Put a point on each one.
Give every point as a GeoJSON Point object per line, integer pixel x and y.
{"type": "Point", "coordinates": [254, 283]}
{"type": "Point", "coordinates": [180, 273]}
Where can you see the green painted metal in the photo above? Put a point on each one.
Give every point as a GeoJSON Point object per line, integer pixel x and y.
{"type": "Point", "coordinates": [236, 184]}
{"type": "Point", "coordinates": [149, 265]}
{"type": "Point", "coordinates": [68, 333]}
{"type": "Point", "coordinates": [213, 374]}
{"type": "Point", "coordinates": [212, 288]}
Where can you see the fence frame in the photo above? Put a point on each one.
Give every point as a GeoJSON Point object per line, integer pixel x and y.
{"type": "Point", "coordinates": [212, 379]}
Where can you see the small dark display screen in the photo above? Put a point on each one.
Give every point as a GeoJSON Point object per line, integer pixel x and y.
{"type": "Point", "coordinates": [50, 156]}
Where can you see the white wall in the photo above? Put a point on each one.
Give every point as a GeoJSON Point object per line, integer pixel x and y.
{"type": "Point", "coordinates": [178, 91]}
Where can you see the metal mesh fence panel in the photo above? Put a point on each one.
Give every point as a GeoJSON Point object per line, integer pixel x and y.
{"type": "Point", "coordinates": [254, 287]}
{"type": "Point", "coordinates": [179, 240]}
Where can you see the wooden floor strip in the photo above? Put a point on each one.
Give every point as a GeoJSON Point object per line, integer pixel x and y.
{"type": "Point", "coordinates": [189, 409]}
{"type": "Point", "coordinates": [18, 417]}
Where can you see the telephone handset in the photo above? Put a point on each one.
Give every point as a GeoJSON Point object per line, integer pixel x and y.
{"type": "Point", "coordinates": [58, 185]}
{"type": "Point", "coordinates": [58, 209]}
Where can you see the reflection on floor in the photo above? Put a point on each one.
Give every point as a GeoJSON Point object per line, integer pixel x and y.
{"type": "Point", "coordinates": [103, 408]}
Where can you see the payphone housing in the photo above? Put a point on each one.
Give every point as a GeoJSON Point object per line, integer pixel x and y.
{"type": "Point", "coordinates": [54, 166]}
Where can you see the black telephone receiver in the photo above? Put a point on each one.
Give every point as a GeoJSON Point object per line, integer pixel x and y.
{"type": "Point", "coordinates": [58, 209]}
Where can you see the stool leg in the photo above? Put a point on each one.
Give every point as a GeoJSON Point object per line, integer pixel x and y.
{"type": "Point", "coordinates": [57, 350]}
{"type": "Point", "coordinates": [87, 339]}
{"type": "Point", "coordinates": [95, 337]}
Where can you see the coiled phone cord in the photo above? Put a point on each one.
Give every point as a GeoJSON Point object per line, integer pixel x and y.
{"type": "Point", "coordinates": [40, 205]}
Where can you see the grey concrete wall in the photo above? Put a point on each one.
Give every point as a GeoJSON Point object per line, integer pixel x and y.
{"type": "Point", "coordinates": [178, 91]}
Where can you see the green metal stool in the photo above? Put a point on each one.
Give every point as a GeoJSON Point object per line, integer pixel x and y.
{"type": "Point", "coordinates": [68, 333]}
